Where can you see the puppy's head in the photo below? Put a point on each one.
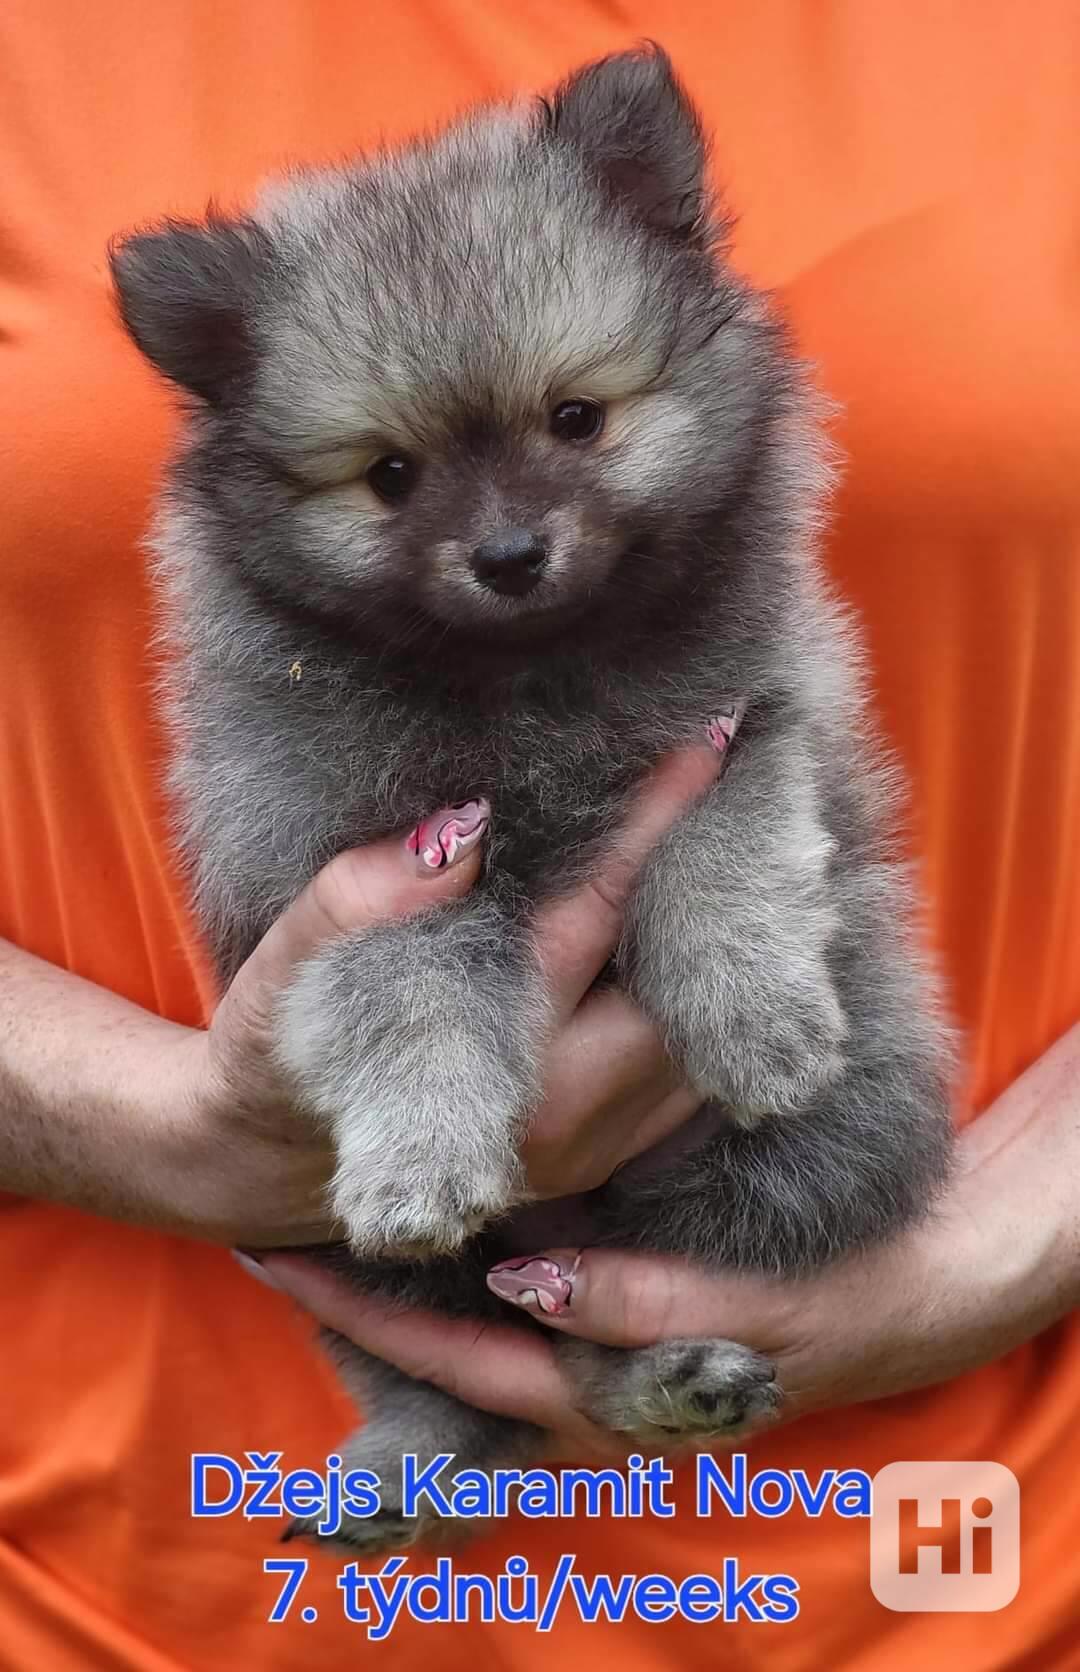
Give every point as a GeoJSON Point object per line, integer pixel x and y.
{"type": "Point", "coordinates": [498, 387]}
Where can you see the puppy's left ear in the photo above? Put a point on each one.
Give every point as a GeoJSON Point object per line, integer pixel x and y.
{"type": "Point", "coordinates": [630, 118]}
{"type": "Point", "coordinates": [187, 292]}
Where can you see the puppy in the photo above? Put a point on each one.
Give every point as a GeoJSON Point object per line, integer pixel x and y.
{"type": "Point", "coordinates": [497, 484]}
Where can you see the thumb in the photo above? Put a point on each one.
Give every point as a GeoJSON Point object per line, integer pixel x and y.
{"type": "Point", "coordinates": [437, 861]}
{"type": "Point", "coordinates": [626, 1299]}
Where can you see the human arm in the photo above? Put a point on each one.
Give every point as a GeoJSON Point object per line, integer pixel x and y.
{"type": "Point", "coordinates": [107, 1107]}
{"type": "Point", "coordinates": [995, 1263]}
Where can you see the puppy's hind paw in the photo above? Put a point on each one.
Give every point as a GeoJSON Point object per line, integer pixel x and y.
{"type": "Point", "coordinates": [380, 1534]}
{"type": "Point", "coordinates": [695, 1390]}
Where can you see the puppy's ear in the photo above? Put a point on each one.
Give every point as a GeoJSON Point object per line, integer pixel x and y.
{"type": "Point", "coordinates": [638, 131]}
{"type": "Point", "coordinates": [186, 292]}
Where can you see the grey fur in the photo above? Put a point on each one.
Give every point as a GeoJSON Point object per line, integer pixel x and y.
{"type": "Point", "coordinates": [681, 1389]}
{"type": "Point", "coordinates": [453, 1035]}
{"type": "Point", "coordinates": [344, 674]}
{"type": "Point", "coordinates": [413, 1416]}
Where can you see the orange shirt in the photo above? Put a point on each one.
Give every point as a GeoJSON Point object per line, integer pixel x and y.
{"type": "Point", "coordinates": [908, 175]}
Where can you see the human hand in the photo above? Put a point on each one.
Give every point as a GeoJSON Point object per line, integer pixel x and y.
{"type": "Point", "coordinates": [257, 1171]}
{"type": "Point", "coordinates": [997, 1261]}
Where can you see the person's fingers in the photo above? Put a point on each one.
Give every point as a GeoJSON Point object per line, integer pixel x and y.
{"type": "Point", "coordinates": [612, 1093]}
{"type": "Point", "coordinates": [577, 934]}
{"type": "Point", "coordinates": [506, 1370]}
{"type": "Point", "coordinates": [665, 1117]}
{"type": "Point", "coordinates": [609, 1040]}
{"type": "Point", "coordinates": [437, 860]}
{"type": "Point", "coordinates": [465, 1357]}
{"type": "Point", "coordinates": [625, 1299]}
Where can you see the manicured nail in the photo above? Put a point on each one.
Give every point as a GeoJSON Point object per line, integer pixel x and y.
{"type": "Point", "coordinates": [254, 1268]}
{"type": "Point", "coordinates": [723, 726]}
{"type": "Point", "coordinates": [448, 835]}
{"type": "Point", "coordinates": [539, 1284]}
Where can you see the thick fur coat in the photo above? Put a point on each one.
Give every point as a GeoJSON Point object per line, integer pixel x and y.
{"type": "Point", "coordinates": [517, 350]}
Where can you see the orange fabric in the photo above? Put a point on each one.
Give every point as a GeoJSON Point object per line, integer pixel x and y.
{"type": "Point", "coordinates": [908, 174]}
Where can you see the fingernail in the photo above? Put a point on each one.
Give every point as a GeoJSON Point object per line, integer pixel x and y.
{"type": "Point", "coordinates": [539, 1284]}
{"type": "Point", "coordinates": [254, 1268]}
{"type": "Point", "coordinates": [448, 835]}
{"type": "Point", "coordinates": [723, 726]}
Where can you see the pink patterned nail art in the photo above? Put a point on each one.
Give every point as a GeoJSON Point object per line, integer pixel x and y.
{"type": "Point", "coordinates": [447, 835]}
{"type": "Point", "coordinates": [723, 726]}
{"type": "Point", "coordinates": [538, 1283]}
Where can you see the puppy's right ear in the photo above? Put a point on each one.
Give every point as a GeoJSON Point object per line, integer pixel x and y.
{"type": "Point", "coordinates": [187, 292]}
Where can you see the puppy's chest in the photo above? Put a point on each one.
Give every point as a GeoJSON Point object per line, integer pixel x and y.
{"type": "Point", "coordinates": [557, 786]}
{"type": "Point", "coordinates": [363, 763]}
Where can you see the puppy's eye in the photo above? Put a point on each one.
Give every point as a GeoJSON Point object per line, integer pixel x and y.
{"type": "Point", "coordinates": [392, 477]}
{"type": "Point", "coordinates": [577, 420]}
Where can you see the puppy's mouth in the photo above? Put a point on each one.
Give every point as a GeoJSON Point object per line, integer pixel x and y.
{"type": "Point", "coordinates": [516, 620]}
{"type": "Point", "coordinates": [527, 602]}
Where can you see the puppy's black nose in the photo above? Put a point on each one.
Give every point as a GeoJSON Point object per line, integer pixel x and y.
{"type": "Point", "coordinates": [510, 562]}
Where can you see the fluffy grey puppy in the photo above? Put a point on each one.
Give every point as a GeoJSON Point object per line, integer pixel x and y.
{"type": "Point", "coordinates": [498, 484]}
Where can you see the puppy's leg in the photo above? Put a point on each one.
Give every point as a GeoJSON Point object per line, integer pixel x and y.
{"type": "Point", "coordinates": [417, 1043]}
{"type": "Point", "coordinates": [407, 1416]}
{"type": "Point", "coordinates": [865, 1157]}
{"type": "Point", "coordinates": [673, 1390]}
{"type": "Point", "coordinates": [728, 933]}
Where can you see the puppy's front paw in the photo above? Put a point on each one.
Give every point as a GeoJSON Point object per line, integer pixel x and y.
{"type": "Point", "coordinates": [772, 1056]}
{"type": "Point", "coordinates": [419, 1206]}
{"type": "Point", "coordinates": [417, 1045]}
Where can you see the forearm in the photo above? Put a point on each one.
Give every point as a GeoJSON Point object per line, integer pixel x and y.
{"type": "Point", "coordinates": [997, 1263]}
{"type": "Point", "coordinates": [1020, 1172]}
{"type": "Point", "coordinates": [91, 1110]}
{"type": "Point", "coordinates": [108, 1108]}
